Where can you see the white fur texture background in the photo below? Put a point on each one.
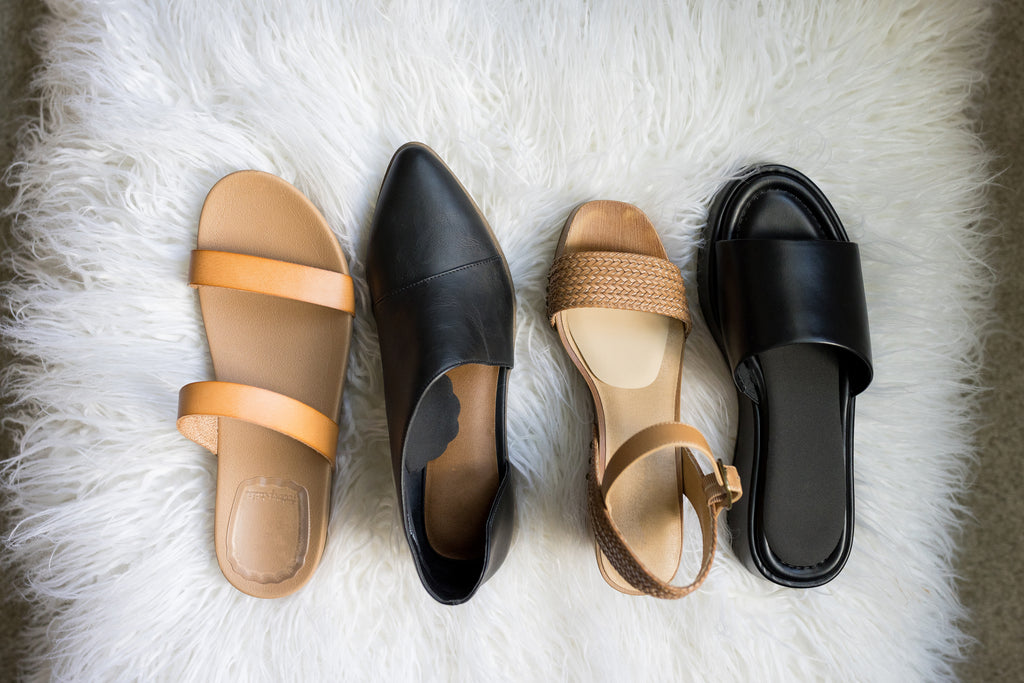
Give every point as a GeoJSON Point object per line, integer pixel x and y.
{"type": "Point", "coordinates": [536, 106]}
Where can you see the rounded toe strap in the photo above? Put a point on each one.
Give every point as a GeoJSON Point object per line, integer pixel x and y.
{"type": "Point", "coordinates": [709, 493]}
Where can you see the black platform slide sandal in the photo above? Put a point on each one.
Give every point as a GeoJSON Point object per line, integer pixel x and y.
{"type": "Point", "coordinates": [781, 290]}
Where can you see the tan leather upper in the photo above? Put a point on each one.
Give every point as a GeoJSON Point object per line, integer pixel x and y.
{"type": "Point", "coordinates": [201, 404]}
{"type": "Point", "coordinates": [275, 278]}
{"type": "Point", "coordinates": [708, 493]}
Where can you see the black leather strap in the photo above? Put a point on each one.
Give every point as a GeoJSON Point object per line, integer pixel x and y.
{"type": "Point", "coordinates": [780, 292]}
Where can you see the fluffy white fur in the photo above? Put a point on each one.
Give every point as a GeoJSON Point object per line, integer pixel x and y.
{"type": "Point", "coordinates": [536, 106]}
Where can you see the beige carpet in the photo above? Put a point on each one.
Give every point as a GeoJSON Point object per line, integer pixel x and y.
{"type": "Point", "coordinates": [17, 18]}
{"type": "Point", "coordinates": [993, 547]}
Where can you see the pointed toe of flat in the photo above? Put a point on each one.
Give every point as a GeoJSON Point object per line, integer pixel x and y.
{"type": "Point", "coordinates": [425, 222]}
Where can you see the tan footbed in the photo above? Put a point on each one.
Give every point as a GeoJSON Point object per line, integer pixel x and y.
{"type": "Point", "coordinates": [632, 362]}
{"type": "Point", "coordinates": [273, 492]}
{"type": "Point", "coordinates": [461, 483]}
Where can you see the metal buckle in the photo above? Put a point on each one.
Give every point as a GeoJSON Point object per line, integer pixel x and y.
{"type": "Point", "coordinates": [724, 476]}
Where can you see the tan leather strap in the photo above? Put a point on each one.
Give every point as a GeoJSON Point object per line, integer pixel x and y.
{"type": "Point", "coordinates": [708, 493]}
{"type": "Point", "coordinates": [275, 278]}
{"type": "Point", "coordinates": [614, 279]}
{"type": "Point", "coordinates": [202, 404]}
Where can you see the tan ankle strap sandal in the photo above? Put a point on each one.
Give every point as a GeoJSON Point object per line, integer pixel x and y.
{"type": "Point", "coordinates": [620, 309]}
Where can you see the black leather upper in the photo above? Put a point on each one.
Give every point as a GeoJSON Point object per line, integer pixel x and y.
{"type": "Point", "coordinates": [424, 225]}
{"type": "Point", "coordinates": [794, 292]}
{"type": "Point", "coordinates": [442, 297]}
{"type": "Point", "coordinates": [779, 269]}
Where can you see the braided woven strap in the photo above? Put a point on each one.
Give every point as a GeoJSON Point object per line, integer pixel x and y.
{"type": "Point", "coordinates": [614, 279]}
{"type": "Point", "coordinates": [708, 493]}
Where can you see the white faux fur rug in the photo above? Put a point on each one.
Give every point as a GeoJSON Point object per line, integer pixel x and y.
{"type": "Point", "coordinates": [536, 106]}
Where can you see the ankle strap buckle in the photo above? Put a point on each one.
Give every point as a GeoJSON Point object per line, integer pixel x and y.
{"type": "Point", "coordinates": [732, 489]}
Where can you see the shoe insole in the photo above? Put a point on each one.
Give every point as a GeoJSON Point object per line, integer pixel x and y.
{"type": "Point", "coordinates": [462, 481]}
{"type": "Point", "coordinates": [273, 492]}
{"type": "Point", "coordinates": [634, 360]}
{"type": "Point", "coordinates": [801, 412]}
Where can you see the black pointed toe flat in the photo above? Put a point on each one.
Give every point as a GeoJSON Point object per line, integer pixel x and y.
{"type": "Point", "coordinates": [444, 305]}
{"type": "Point", "coordinates": [781, 290]}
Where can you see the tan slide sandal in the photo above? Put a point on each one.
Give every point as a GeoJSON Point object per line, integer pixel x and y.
{"type": "Point", "coordinates": [277, 303]}
{"type": "Point", "coordinates": [620, 309]}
